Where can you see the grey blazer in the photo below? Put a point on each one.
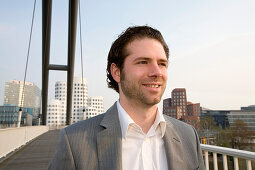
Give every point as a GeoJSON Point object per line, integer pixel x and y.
{"type": "Point", "coordinates": [95, 144]}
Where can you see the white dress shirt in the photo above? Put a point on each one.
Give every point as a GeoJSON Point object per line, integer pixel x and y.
{"type": "Point", "coordinates": [142, 151]}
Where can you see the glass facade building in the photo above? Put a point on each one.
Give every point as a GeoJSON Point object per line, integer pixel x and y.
{"type": "Point", "coordinates": [245, 115]}
{"type": "Point", "coordinates": [9, 116]}
{"type": "Point", "coordinates": [13, 95]}
{"type": "Point", "coordinates": [251, 107]}
{"type": "Point", "coordinates": [219, 116]}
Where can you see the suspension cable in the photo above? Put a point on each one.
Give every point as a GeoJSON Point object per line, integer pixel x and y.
{"type": "Point", "coordinates": [83, 85]}
{"type": "Point", "coordinates": [28, 51]}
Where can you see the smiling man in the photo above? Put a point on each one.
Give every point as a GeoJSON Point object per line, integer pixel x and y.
{"type": "Point", "coordinates": [133, 134]}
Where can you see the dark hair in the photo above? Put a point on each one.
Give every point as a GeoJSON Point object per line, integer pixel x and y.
{"type": "Point", "coordinates": [118, 53]}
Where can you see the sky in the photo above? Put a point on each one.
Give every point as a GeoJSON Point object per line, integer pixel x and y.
{"type": "Point", "coordinates": [212, 45]}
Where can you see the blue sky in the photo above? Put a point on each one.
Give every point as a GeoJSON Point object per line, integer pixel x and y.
{"type": "Point", "coordinates": [211, 45]}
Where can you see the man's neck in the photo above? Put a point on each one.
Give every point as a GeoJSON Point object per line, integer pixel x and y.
{"type": "Point", "coordinates": [143, 115]}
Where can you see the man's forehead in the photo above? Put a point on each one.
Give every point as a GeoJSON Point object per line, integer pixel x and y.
{"type": "Point", "coordinates": [127, 51]}
{"type": "Point", "coordinates": [137, 39]}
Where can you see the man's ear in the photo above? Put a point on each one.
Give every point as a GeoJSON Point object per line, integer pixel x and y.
{"type": "Point", "coordinates": [115, 72]}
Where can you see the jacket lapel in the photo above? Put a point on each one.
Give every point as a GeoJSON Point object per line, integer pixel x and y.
{"type": "Point", "coordinates": [109, 142]}
{"type": "Point", "coordinates": [173, 147]}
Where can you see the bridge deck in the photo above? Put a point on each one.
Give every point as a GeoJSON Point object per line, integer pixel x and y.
{"type": "Point", "coordinates": [35, 155]}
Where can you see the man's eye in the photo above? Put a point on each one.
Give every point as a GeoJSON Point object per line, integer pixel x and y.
{"type": "Point", "coordinates": [142, 62]}
{"type": "Point", "coordinates": [163, 64]}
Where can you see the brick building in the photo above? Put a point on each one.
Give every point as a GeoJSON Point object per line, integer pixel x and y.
{"type": "Point", "coordinates": [178, 107]}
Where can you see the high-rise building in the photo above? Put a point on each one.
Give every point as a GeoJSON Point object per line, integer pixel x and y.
{"type": "Point", "coordinates": [96, 102]}
{"type": "Point", "coordinates": [80, 99]}
{"type": "Point", "coordinates": [31, 97]}
{"type": "Point", "coordinates": [56, 113]}
{"type": "Point", "coordinates": [178, 107]}
{"type": "Point", "coordinates": [82, 106]}
{"type": "Point", "coordinates": [13, 94]}
{"type": "Point", "coordinates": [80, 96]}
{"type": "Point", "coordinates": [90, 112]}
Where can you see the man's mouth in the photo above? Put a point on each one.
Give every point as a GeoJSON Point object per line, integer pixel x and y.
{"type": "Point", "coordinates": [152, 85]}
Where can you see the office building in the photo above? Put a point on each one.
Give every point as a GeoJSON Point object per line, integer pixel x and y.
{"type": "Point", "coordinates": [9, 116]}
{"type": "Point", "coordinates": [248, 116]}
{"type": "Point", "coordinates": [96, 102]}
{"type": "Point", "coordinates": [219, 116]}
{"type": "Point", "coordinates": [31, 97]}
{"type": "Point", "coordinates": [251, 107]}
{"type": "Point", "coordinates": [83, 107]}
{"type": "Point", "coordinates": [56, 113]}
{"type": "Point", "coordinates": [13, 94]}
{"type": "Point", "coordinates": [80, 96]}
{"type": "Point", "coordinates": [178, 107]}
{"type": "Point", "coordinates": [80, 99]}
{"type": "Point", "coordinates": [90, 112]}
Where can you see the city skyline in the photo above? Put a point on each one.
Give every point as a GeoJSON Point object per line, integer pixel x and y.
{"type": "Point", "coordinates": [211, 46]}
{"type": "Point", "coordinates": [54, 94]}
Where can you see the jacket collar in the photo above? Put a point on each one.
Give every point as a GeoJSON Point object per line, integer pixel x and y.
{"type": "Point", "coordinates": [109, 141]}
{"type": "Point", "coordinates": [173, 146]}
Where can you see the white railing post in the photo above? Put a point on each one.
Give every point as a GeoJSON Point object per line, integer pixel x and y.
{"type": "Point", "coordinates": [206, 161]}
{"type": "Point", "coordinates": [225, 152]}
{"type": "Point", "coordinates": [236, 166]}
{"type": "Point", "coordinates": [248, 164]}
{"type": "Point", "coordinates": [225, 162]}
{"type": "Point", "coordinates": [215, 162]}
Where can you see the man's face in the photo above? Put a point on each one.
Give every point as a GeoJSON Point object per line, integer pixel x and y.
{"type": "Point", "coordinates": [144, 75]}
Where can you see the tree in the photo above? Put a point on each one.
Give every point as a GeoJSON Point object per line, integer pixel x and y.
{"type": "Point", "coordinates": [241, 135]}
{"type": "Point", "coordinates": [207, 123]}
{"type": "Point", "coordinates": [207, 129]}
{"type": "Point", "coordinates": [224, 137]}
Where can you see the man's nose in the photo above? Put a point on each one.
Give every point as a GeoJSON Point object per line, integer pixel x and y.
{"type": "Point", "coordinates": [155, 70]}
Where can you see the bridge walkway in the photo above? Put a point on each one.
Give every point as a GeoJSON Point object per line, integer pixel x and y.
{"type": "Point", "coordinates": [36, 155]}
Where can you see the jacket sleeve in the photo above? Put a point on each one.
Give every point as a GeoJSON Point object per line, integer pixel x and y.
{"type": "Point", "coordinates": [63, 157]}
{"type": "Point", "coordinates": [199, 152]}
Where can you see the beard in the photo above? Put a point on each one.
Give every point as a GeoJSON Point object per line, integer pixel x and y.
{"type": "Point", "coordinates": [133, 90]}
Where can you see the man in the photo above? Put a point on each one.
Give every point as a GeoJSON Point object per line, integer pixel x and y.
{"type": "Point", "coordinates": [133, 134]}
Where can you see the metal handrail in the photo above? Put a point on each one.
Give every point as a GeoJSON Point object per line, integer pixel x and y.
{"type": "Point", "coordinates": [229, 151]}
{"type": "Point", "coordinates": [235, 153]}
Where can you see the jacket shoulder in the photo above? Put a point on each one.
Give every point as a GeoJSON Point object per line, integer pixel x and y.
{"type": "Point", "coordinates": [183, 129]}
{"type": "Point", "coordinates": [91, 123]}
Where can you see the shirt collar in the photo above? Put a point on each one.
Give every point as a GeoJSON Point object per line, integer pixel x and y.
{"type": "Point", "coordinates": [160, 121]}
{"type": "Point", "coordinates": [126, 120]}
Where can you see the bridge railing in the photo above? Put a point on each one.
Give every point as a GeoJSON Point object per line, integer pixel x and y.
{"type": "Point", "coordinates": [13, 138]}
{"type": "Point", "coordinates": [235, 153]}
